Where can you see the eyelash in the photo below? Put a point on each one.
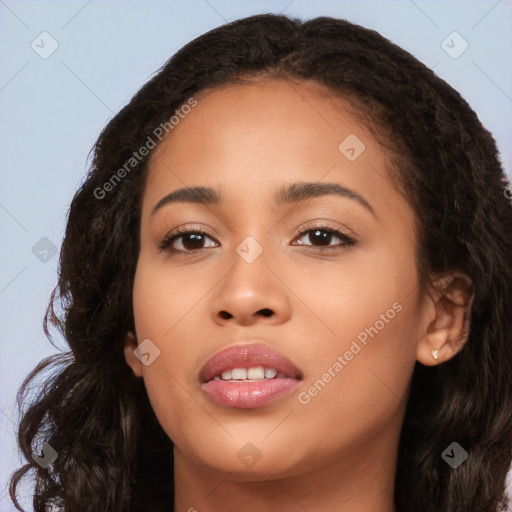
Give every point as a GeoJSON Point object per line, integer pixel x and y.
{"type": "Point", "coordinates": [346, 240]}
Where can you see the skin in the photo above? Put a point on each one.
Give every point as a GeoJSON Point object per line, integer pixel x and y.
{"type": "Point", "coordinates": [338, 451]}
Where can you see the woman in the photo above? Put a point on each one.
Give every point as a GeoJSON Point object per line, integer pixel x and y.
{"type": "Point", "coordinates": [286, 285]}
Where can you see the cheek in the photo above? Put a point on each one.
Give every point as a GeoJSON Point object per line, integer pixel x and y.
{"type": "Point", "coordinates": [362, 365]}
{"type": "Point", "coordinates": [166, 302]}
{"type": "Point", "coordinates": [164, 294]}
{"type": "Point", "coordinates": [357, 293]}
{"type": "Point", "coordinates": [367, 373]}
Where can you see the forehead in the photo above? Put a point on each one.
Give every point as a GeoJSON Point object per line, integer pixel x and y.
{"type": "Point", "coordinates": [260, 110]}
{"type": "Point", "coordinates": [267, 132]}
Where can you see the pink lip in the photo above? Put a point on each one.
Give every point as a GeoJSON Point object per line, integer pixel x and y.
{"type": "Point", "coordinates": [248, 394]}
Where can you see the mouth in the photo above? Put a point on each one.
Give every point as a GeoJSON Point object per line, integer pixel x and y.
{"type": "Point", "coordinates": [248, 376]}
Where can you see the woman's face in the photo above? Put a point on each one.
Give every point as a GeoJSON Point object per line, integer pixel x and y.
{"type": "Point", "coordinates": [339, 303]}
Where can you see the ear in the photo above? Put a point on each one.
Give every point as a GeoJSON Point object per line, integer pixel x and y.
{"type": "Point", "coordinates": [130, 344]}
{"type": "Point", "coordinates": [448, 321]}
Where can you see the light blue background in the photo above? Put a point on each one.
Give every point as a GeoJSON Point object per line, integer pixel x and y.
{"type": "Point", "coordinates": [53, 109]}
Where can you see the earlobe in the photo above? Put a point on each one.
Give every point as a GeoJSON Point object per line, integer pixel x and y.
{"type": "Point", "coordinates": [130, 344]}
{"type": "Point", "coordinates": [448, 330]}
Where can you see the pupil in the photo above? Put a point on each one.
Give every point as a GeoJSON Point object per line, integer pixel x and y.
{"type": "Point", "coordinates": [192, 241]}
{"type": "Point", "coordinates": [321, 237]}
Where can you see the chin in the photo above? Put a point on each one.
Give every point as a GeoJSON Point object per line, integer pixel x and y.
{"type": "Point", "coordinates": [246, 460]}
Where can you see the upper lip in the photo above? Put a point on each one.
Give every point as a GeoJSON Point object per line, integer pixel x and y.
{"type": "Point", "coordinates": [247, 356]}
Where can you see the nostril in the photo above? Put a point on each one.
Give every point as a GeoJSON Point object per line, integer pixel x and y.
{"type": "Point", "coordinates": [225, 315]}
{"type": "Point", "coordinates": [265, 312]}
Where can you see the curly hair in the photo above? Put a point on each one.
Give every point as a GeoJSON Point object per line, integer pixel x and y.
{"type": "Point", "coordinates": [112, 453]}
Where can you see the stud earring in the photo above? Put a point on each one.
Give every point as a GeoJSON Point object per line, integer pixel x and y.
{"type": "Point", "coordinates": [435, 353]}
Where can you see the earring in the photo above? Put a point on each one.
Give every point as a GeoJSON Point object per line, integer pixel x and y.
{"type": "Point", "coordinates": [435, 353]}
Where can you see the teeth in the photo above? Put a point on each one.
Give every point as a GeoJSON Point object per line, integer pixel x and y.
{"type": "Point", "coordinates": [253, 373]}
{"type": "Point", "coordinates": [270, 373]}
{"type": "Point", "coordinates": [238, 373]}
{"type": "Point", "coordinates": [257, 372]}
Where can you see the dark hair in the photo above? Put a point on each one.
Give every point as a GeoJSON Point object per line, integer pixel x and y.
{"type": "Point", "coordinates": [112, 453]}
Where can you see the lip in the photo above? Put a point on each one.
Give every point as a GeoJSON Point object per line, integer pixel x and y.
{"type": "Point", "coordinates": [248, 395]}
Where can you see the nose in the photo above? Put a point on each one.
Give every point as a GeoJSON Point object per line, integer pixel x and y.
{"type": "Point", "coordinates": [251, 293]}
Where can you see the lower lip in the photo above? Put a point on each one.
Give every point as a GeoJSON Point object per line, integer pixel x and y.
{"type": "Point", "coordinates": [248, 395]}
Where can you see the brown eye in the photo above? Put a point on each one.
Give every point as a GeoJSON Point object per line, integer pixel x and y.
{"type": "Point", "coordinates": [324, 238]}
{"type": "Point", "coordinates": [187, 241]}
{"type": "Point", "coordinates": [320, 237]}
{"type": "Point", "coordinates": [192, 241]}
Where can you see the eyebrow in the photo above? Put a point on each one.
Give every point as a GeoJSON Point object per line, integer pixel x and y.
{"type": "Point", "coordinates": [291, 194]}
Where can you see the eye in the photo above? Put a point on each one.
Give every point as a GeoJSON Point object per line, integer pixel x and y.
{"type": "Point", "coordinates": [187, 240]}
{"type": "Point", "coordinates": [324, 238]}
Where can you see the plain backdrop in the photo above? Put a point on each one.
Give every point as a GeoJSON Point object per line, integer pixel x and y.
{"type": "Point", "coordinates": [53, 107]}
